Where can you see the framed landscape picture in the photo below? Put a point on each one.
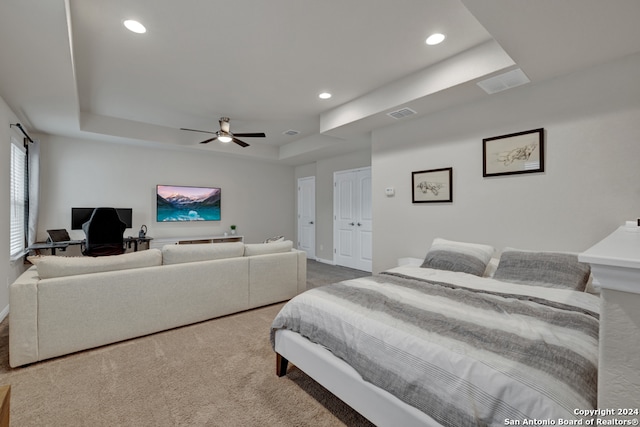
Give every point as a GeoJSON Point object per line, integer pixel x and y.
{"type": "Point", "coordinates": [516, 153]}
{"type": "Point", "coordinates": [177, 203]}
{"type": "Point", "coordinates": [430, 186]}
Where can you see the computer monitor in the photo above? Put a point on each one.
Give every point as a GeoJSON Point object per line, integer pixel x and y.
{"type": "Point", "coordinates": [81, 215]}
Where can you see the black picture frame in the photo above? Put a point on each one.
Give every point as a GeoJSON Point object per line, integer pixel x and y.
{"type": "Point", "coordinates": [432, 186]}
{"type": "Point", "coordinates": [515, 153]}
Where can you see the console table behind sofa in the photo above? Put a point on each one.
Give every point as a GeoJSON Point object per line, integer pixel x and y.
{"type": "Point", "coordinates": [159, 243]}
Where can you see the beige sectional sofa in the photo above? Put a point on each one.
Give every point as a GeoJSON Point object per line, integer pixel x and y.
{"type": "Point", "coordinates": [66, 304]}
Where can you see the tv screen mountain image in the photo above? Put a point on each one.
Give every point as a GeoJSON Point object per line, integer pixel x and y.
{"type": "Point", "coordinates": [185, 203]}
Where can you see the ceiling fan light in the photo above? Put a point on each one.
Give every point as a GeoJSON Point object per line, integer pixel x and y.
{"type": "Point", "coordinates": [224, 138]}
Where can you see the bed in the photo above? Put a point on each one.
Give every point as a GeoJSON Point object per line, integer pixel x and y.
{"type": "Point", "coordinates": [449, 343]}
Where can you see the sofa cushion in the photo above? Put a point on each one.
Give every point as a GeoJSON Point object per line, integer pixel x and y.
{"type": "Point", "coordinates": [251, 249]}
{"type": "Point", "coordinates": [61, 266]}
{"type": "Point", "coordinates": [178, 254]}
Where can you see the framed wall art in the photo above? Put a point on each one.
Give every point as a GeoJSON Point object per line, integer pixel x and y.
{"type": "Point", "coordinates": [177, 203]}
{"type": "Point", "coordinates": [516, 153]}
{"type": "Point", "coordinates": [431, 186]}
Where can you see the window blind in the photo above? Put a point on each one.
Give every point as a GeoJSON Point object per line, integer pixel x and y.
{"type": "Point", "coordinates": [18, 200]}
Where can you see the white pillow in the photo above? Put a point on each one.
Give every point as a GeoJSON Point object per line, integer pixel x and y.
{"type": "Point", "coordinates": [62, 266]}
{"type": "Point", "coordinates": [491, 267]}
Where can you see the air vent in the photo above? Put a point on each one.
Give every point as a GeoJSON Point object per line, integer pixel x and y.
{"type": "Point", "coordinates": [402, 113]}
{"type": "Point", "coordinates": [504, 81]}
{"type": "Point", "coordinates": [290, 132]}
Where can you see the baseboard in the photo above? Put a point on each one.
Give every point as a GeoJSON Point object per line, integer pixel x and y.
{"type": "Point", "coordinates": [326, 261]}
{"type": "Point", "coordinates": [4, 313]}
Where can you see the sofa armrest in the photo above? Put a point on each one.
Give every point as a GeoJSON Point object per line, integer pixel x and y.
{"type": "Point", "coordinates": [302, 270]}
{"type": "Point", "coordinates": [276, 277]}
{"type": "Point", "coordinates": [23, 319]}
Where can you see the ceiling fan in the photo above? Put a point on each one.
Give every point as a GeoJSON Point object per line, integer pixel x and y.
{"type": "Point", "coordinates": [224, 135]}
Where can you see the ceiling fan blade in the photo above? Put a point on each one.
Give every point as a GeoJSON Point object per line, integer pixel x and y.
{"type": "Point", "coordinates": [209, 140]}
{"type": "Point", "coordinates": [251, 135]}
{"type": "Point", "coordinates": [196, 130]}
{"type": "Point", "coordinates": [240, 143]}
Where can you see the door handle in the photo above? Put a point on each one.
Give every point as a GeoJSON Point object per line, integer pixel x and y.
{"type": "Point", "coordinates": [359, 224]}
{"type": "Point", "coordinates": [310, 222]}
{"type": "Point", "coordinates": [351, 223]}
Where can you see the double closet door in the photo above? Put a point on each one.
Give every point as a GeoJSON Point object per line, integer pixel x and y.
{"type": "Point", "coordinates": [353, 223]}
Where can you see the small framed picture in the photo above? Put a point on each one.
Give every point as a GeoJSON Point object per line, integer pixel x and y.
{"type": "Point", "coordinates": [521, 152]}
{"type": "Point", "coordinates": [431, 186]}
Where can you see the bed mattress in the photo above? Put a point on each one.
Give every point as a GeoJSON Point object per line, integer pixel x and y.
{"type": "Point", "coordinates": [462, 349]}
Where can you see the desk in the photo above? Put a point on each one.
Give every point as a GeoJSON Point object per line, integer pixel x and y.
{"type": "Point", "coordinates": [53, 246]}
{"type": "Point", "coordinates": [136, 240]}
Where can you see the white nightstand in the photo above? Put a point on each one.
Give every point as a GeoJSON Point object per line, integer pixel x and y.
{"type": "Point", "coordinates": [615, 264]}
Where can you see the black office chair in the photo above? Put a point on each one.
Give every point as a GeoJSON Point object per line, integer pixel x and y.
{"type": "Point", "coordinates": [104, 232]}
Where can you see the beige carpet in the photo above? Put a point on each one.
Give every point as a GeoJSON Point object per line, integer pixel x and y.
{"type": "Point", "coordinates": [216, 373]}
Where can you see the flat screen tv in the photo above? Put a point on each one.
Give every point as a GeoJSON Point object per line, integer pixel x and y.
{"type": "Point", "coordinates": [183, 204]}
{"type": "Point", "coordinates": [81, 215]}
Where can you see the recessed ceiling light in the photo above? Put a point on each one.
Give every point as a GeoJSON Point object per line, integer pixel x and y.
{"type": "Point", "coordinates": [434, 39]}
{"type": "Point", "coordinates": [324, 95]}
{"type": "Point", "coordinates": [135, 26]}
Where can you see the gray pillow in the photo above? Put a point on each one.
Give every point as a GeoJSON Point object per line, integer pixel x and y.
{"type": "Point", "coordinates": [548, 269]}
{"type": "Point", "coordinates": [462, 257]}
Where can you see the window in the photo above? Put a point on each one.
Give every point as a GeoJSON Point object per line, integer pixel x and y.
{"type": "Point", "coordinates": [18, 200]}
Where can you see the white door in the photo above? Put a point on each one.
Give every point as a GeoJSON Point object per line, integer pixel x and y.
{"type": "Point", "coordinates": [364, 223]}
{"type": "Point", "coordinates": [307, 216]}
{"type": "Point", "coordinates": [353, 241]}
{"type": "Point", "coordinates": [344, 240]}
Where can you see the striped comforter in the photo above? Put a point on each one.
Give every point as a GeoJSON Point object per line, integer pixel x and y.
{"type": "Point", "coordinates": [465, 350]}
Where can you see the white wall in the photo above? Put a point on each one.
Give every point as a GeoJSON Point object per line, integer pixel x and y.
{"type": "Point", "coordinates": [323, 171]}
{"type": "Point", "coordinates": [258, 197]}
{"type": "Point", "coordinates": [591, 182]}
{"type": "Point", "coordinates": [590, 186]}
{"type": "Point", "coordinates": [8, 271]}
